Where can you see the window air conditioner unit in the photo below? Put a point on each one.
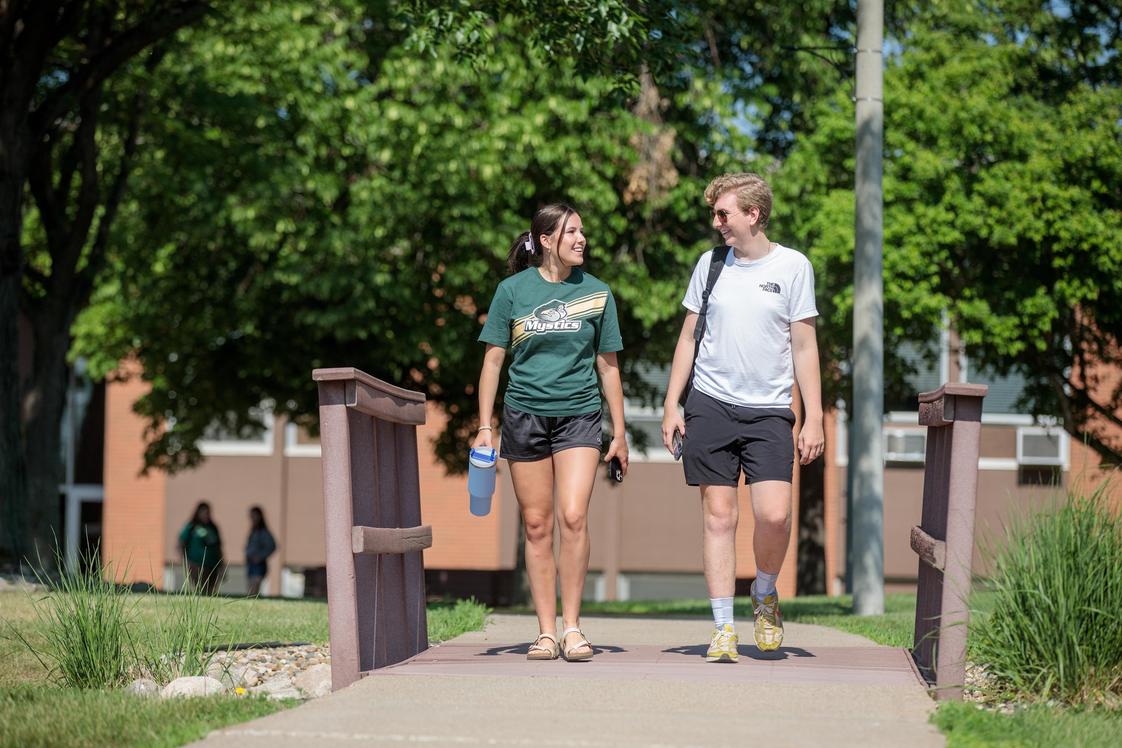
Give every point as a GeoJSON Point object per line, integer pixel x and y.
{"type": "Point", "coordinates": [1037, 445]}
{"type": "Point", "coordinates": [905, 446]}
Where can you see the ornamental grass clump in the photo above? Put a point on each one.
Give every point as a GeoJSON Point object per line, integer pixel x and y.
{"type": "Point", "coordinates": [179, 641]}
{"type": "Point", "coordinates": [85, 627]}
{"type": "Point", "coordinates": [1055, 630]}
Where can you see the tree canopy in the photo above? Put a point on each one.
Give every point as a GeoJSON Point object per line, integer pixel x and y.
{"type": "Point", "coordinates": [236, 194]}
{"type": "Point", "coordinates": [323, 190]}
{"type": "Point", "coordinates": [1003, 202]}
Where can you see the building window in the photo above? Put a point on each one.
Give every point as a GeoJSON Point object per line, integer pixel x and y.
{"type": "Point", "coordinates": [905, 446]}
{"type": "Point", "coordinates": [1041, 446]}
{"type": "Point", "coordinates": [1042, 455]}
{"type": "Point", "coordinates": [220, 439]}
{"type": "Point", "coordinates": [298, 443]}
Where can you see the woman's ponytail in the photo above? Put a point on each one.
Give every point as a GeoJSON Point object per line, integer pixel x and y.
{"type": "Point", "coordinates": [523, 253]}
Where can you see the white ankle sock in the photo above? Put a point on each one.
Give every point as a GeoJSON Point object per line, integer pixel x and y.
{"type": "Point", "coordinates": [765, 583]}
{"type": "Point", "coordinates": [722, 611]}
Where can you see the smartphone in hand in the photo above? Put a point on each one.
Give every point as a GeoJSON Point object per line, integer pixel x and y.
{"type": "Point", "coordinates": [676, 444]}
{"type": "Point", "coordinates": [615, 470]}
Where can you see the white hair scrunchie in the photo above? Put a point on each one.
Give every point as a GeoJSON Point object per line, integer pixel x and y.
{"type": "Point", "coordinates": [530, 244]}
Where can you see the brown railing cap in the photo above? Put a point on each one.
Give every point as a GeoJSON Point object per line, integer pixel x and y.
{"type": "Point", "coordinates": [954, 388]}
{"type": "Point", "coordinates": [347, 373]}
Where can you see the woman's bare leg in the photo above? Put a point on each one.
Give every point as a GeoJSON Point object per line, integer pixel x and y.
{"type": "Point", "coordinates": [576, 473]}
{"type": "Point", "coordinates": [533, 486]}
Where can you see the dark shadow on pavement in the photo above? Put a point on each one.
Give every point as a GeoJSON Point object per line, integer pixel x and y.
{"type": "Point", "coordinates": [750, 651]}
{"type": "Point", "coordinates": [522, 649]}
{"type": "Point", "coordinates": [782, 653]}
{"type": "Point", "coordinates": [508, 649]}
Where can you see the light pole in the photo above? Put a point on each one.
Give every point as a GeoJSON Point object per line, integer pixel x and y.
{"type": "Point", "coordinates": [866, 451]}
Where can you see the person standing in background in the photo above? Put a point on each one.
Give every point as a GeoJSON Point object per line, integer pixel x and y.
{"type": "Point", "coordinates": [200, 544]}
{"type": "Point", "coordinates": [258, 547]}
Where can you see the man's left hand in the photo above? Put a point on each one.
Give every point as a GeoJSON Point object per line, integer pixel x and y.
{"type": "Point", "coordinates": [811, 441]}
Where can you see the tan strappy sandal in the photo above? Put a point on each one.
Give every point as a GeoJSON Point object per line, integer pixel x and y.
{"type": "Point", "coordinates": [574, 653]}
{"type": "Point", "coordinates": [541, 651]}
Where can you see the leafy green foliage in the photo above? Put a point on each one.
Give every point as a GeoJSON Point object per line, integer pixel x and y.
{"type": "Point", "coordinates": [320, 193]}
{"type": "Point", "coordinates": [1002, 203]}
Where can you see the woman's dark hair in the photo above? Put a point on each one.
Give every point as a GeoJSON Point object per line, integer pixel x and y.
{"type": "Point", "coordinates": [257, 518]}
{"type": "Point", "coordinates": [199, 510]}
{"type": "Point", "coordinates": [546, 221]}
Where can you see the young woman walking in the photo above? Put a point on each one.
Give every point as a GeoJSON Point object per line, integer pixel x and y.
{"type": "Point", "coordinates": [561, 328]}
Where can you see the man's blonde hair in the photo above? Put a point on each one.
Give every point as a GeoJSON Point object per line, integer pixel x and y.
{"type": "Point", "coordinates": [751, 192]}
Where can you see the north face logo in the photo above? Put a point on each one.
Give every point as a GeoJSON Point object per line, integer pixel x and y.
{"type": "Point", "coordinates": [770, 287]}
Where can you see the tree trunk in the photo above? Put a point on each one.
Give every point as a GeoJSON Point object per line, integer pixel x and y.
{"type": "Point", "coordinates": [44, 401]}
{"type": "Point", "coordinates": [13, 468]}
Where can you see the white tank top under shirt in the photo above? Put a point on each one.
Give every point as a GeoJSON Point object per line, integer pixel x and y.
{"type": "Point", "coordinates": [745, 356]}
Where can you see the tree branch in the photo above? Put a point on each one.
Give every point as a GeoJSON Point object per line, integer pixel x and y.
{"type": "Point", "coordinates": [1081, 397]}
{"type": "Point", "coordinates": [25, 33]}
{"type": "Point", "coordinates": [122, 47]}
{"type": "Point", "coordinates": [39, 180]}
{"type": "Point", "coordinates": [64, 263]}
{"type": "Point", "coordinates": [35, 275]}
{"type": "Point", "coordinates": [85, 281]}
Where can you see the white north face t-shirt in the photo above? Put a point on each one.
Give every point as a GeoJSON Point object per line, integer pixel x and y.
{"type": "Point", "coordinates": [745, 356]}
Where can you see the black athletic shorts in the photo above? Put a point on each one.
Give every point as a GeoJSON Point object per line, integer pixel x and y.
{"type": "Point", "coordinates": [723, 440]}
{"type": "Point", "coordinates": [528, 437]}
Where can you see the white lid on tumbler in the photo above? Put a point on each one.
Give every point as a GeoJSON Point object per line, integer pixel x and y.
{"type": "Point", "coordinates": [482, 458]}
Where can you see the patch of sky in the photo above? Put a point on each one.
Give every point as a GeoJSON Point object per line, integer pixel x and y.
{"type": "Point", "coordinates": [1060, 9]}
{"type": "Point", "coordinates": [892, 49]}
{"type": "Point", "coordinates": [55, 78]}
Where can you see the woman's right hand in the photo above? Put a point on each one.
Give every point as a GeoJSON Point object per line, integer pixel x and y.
{"type": "Point", "coordinates": [483, 439]}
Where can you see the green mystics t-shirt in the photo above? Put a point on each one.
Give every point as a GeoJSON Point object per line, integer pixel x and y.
{"type": "Point", "coordinates": [554, 331]}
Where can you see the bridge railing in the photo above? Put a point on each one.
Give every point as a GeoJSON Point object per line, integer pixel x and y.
{"type": "Point", "coordinates": [372, 522]}
{"type": "Point", "coordinates": [944, 540]}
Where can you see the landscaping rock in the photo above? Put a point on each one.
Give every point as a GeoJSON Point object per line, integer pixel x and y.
{"type": "Point", "coordinates": [145, 687]}
{"type": "Point", "coordinates": [193, 685]}
{"type": "Point", "coordinates": [315, 681]}
{"type": "Point", "coordinates": [253, 667]}
{"type": "Point", "coordinates": [279, 687]}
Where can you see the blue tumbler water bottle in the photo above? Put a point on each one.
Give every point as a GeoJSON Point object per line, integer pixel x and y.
{"type": "Point", "coordinates": [481, 480]}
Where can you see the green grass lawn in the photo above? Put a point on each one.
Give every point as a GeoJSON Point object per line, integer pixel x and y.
{"type": "Point", "coordinates": [35, 712]}
{"type": "Point", "coordinates": [967, 726]}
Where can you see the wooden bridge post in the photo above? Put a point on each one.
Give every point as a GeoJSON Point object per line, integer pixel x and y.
{"type": "Point", "coordinates": [372, 522]}
{"type": "Point", "coordinates": [945, 539]}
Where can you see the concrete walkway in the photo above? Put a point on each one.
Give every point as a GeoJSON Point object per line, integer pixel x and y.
{"type": "Point", "coordinates": [647, 686]}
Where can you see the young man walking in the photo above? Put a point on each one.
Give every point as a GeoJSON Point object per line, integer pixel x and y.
{"type": "Point", "coordinates": [757, 339]}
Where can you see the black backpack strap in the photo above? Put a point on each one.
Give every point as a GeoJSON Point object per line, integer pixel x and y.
{"type": "Point", "coordinates": [716, 265]}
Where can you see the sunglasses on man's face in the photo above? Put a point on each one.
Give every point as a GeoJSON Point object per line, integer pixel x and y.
{"type": "Point", "coordinates": [723, 215]}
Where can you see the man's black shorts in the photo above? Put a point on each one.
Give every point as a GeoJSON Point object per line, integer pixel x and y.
{"type": "Point", "coordinates": [723, 440]}
{"type": "Point", "coordinates": [528, 437]}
